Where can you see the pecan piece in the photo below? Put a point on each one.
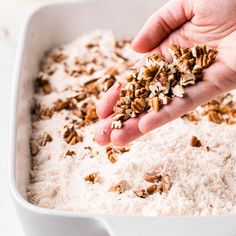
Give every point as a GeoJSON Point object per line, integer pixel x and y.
{"type": "Point", "coordinates": [153, 188]}
{"type": "Point", "coordinates": [93, 177]}
{"type": "Point", "coordinates": [116, 124]}
{"type": "Point", "coordinates": [113, 71]}
{"type": "Point", "coordinates": [111, 155]}
{"type": "Point", "coordinates": [46, 138]}
{"type": "Point", "coordinates": [195, 142]}
{"type": "Point", "coordinates": [91, 115]}
{"type": "Point", "coordinates": [142, 193]}
{"type": "Point", "coordinates": [154, 103]}
{"type": "Point", "coordinates": [138, 105]}
{"type": "Point", "coordinates": [178, 91]}
{"type": "Point", "coordinates": [45, 114]}
{"type": "Point", "coordinates": [42, 81]}
{"type": "Point", "coordinates": [70, 135]}
{"type": "Point", "coordinates": [68, 104]}
{"type": "Point", "coordinates": [191, 116]}
{"type": "Point", "coordinates": [187, 79]}
{"type": "Point", "coordinates": [59, 57]}
{"type": "Point", "coordinates": [120, 187]}
{"type": "Point", "coordinates": [152, 177]}
{"type": "Point", "coordinates": [165, 183]}
{"type": "Point", "coordinates": [215, 117]}
{"type": "Point", "coordinates": [70, 153]}
{"type": "Point", "coordinates": [122, 149]}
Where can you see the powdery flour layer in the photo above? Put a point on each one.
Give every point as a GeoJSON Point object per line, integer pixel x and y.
{"type": "Point", "coordinates": [203, 179]}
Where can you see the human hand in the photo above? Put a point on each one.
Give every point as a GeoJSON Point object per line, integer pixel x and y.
{"type": "Point", "coordinates": [185, 23]}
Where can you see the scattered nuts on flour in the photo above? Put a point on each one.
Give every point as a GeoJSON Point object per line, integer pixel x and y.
{"type": "Point", "coordinates": [72, 80]}
{"type": "Point", "coordinates": [161, 184]}
{"type": "Point", "coordinates": [153, 85]}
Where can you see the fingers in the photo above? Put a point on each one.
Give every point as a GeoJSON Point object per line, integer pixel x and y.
{"type": "Point", "coordinates": [160, 25]}
{"type": "Point", "coordinates": [119, 137]}
{"type": "Point", "coordinates": [128, 133]}
{"type": "Point", "coordinates": [103, 131]}
{"type": "Point", "coordinates": [105, 106]}
{"type": "Point", "coordinates": [194, 96]}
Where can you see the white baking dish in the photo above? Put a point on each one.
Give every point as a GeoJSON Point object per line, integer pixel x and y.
{"type": "Point", "coordinates": [57, 24]}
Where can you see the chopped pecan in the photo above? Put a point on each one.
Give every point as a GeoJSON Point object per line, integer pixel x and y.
{"type": "Point", "coordinates": [118, 116]}
{"type": "Point", "coordinates": [212, 106]}
{"type": "Point", "coordinates": [45, 114]}
{"type": "Point", "coordinates": [70, 135]}
{"type": "Point", "coordinates": [42, 81]}
{"type": "Point", "coordinates": [131, 74]}
{"type": "Point", "coordinates": [113, 71]}
{"type": "Point", "coordinates": [67, 104]}
{"type": "Point", "coordinates": [154, 103]}
{"type": "Point", "coordinates": [142, 193]}
{"type": "Point", "coordinates": [59, 57]}
{"type": "Point", "coordinates": [116, 124]}
{"type": "Point", "coordinates": [152, 177]}
{"type": "Point", "coordinates": [192, 116]}
{"type": "Point", "coordinates": [165, 183]}
{"type": "Point", "coordinates": [70, 153]}
{"type": "Point", "coordinates": [175, 51]}
{"type": "Point", "coordinates": [178, 91]}
{"type": "Point", "coordinates": [91, 87]}
{"type": "Point", "coordinates": [187, 79]}
{"type": "Point", "coordinates": [91, 45]}
{"type": "Point", "coordinates": [195, 142]}
{"type": "Point", "coordinates": [119, 55]}
{"type": "Point", "coordinates": [110, 154]}
{"type": "Point", "coordinates": [80, 95]}
{"type": "Point", "coordinates": [108, 83]}
{"type": "Point", "coordinates": [163, 99]}
{"type": "Point", "coordinates": [91, 115]}
{"type": "Point", "coordinates": [78, 113]}
{"type": "Point", "coordinates": [215, 117]}
{"type": "Point", "coordinates": [46, 138]}
{"type": "Point", "coordinates": [122, 43]}
{"type": "Point", "coordinates": [153, 188]}
{"type": "Point", "coordinates": [120, 187]}
{"type": "Point", "coordinates": [122, 149]}
{"type": "Point", "coordinates": [138, 105]}
{"type": "Point", "coordinates": [206, 59]}
{"type": "Point", "coordinates": [93, 177]}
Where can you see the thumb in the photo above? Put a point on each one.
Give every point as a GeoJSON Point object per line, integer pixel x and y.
{"type": "Point", "coordinates": [160, 25]}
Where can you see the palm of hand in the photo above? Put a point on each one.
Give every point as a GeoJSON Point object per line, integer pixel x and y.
{"type": "Point", "coordinates": [215, 25]}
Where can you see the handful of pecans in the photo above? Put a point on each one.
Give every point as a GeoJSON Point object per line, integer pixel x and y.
{"type": "Point", "coordinates": [153, 85]}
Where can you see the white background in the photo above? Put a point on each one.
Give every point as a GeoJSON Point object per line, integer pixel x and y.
{"type": "Point", "coordinates": [12, 15]}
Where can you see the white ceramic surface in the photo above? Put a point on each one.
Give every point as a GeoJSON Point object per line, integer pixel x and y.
{"type": "Point", "coordinates": [12, 14]}
{"type": "Point", "coordinates": [54, 25]}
